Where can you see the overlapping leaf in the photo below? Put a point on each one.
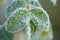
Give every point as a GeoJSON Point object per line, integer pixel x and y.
{"type": "Point", "coordinates": [17, 21]}
{"type": "Point", "coordinates": [33, 15]}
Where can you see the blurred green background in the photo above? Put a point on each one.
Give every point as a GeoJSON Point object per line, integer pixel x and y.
{"type": "Point", "coordinates": [54, 13]}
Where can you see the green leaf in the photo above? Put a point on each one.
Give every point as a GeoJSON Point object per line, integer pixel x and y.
{"type": "Point", "coordinates": [14, 6]}
{"type": "Point", "coordinates": [35, 20]}
{"type": "Point", "coordinates": [33, 3]}
{"type": "Point", "coordinates": [22, 13]}
{"type": "Point", "coordinates": [27, 29]}
{"type": "Point", "coordinates": [41, 18]}
{"type": "Point", "coordinates": [33, 28]}
{"type": "Point", "coordinates": [4, 35]}
{"type": "Point", "coordinates": [17, 21]}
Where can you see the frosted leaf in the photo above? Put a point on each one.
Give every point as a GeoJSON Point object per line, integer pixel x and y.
{"type": "Point", "coordinates": [15, 5]}
{"type": "Point", "coordinates": [27, 15]}
{"type": "Point", "coordinates": [33, 3]}
{"type": "Point", "coordinates": [15, 23]}
{"type": "Point", "coordinates": [42, 17]}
